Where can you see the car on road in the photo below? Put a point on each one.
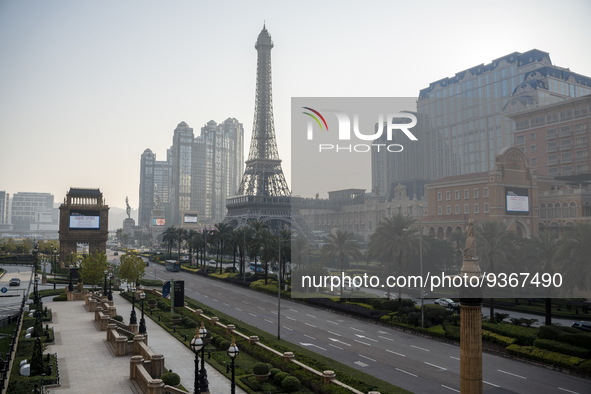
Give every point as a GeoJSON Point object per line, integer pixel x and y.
{"type": "Point", "coordinates": [582, 325]}
{"type": "Point", "coordinates": [14, 282]}
{"type": "Point", "coordinates": [447, 302]}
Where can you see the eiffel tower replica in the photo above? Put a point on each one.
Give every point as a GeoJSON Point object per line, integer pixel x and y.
{"type": "Point", "coordinates": [263, 193]}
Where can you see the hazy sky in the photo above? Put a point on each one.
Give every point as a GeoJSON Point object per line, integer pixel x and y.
{"type": "Point", "coordinates": [86, 86]}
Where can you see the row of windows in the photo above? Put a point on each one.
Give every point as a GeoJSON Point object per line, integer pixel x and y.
{"type": "Point", "coordinates": [557, 210]}
{"type": "Point", "coordinates": [458, 209]}
{"type": "Point", "coordinates": [475, 194]}
{"type": "Point", "coordinates": [568, 170]}
{"type": "Point", "coordinates": [551, 118]}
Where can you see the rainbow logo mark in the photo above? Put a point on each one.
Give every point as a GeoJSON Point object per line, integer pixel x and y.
{"type": "Point", "coordinates": [315, 118]}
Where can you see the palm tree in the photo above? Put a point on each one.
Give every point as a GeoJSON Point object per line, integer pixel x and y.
{"type": "Point", "coordinates": [494, 245]}
{"type": "Point", "coordinates": [395, 241]}
{"type": "Point", "coordinates": [575, 250]}
{"type": "Point", "coordinates": [284, 251]}
{"type": "Point", "coordinates": [541, 254]}
{"type": "Point", "coordinates": [181, 235]}
{"type": "Point", "coordinates": [192, 243]}
{"type": "Point", "coordinates": [256, 242]}
{"type": "Point", "coordinates": [223, 234]}
{"type": "Point", "coordinates": [340, 246]}
{"type": "Point", "coordinates": [169, 237]}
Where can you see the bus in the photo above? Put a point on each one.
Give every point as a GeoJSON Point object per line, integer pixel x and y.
{"type": "Point", "coordinates": [173, 265]}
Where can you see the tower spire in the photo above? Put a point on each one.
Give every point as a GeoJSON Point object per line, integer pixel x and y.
{"type": "Point", "coordinates": [263, 175]}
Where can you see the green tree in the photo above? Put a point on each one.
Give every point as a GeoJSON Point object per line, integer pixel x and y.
{"type": "Point", "coordinates": [132, 268]}
{"type": "Point", "coordinates": [223, 233]}
{"type": "Point", "coordinates": [395, 243]}
{"type": "Point", "coordinates": [92, 268]}
{"type": "Point", "coordinates": [340, 246]}
{"type": "Point", "coordinates": [494, 249]}
{"type": "Point", "coordinates": [575, 252]}
{"type": "Point", "coordinates": [258, 232]}
{"type": "Point", "coordinates": [192, 243]}
{"type": "Point", "coordinates": [169, 238]}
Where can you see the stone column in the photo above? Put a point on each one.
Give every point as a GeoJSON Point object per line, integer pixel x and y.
{"type": "Point", "coordinates": [471, 346]}
{"type": "Point", "coordinates": [133, 364]}
{"type": "Point", "coordinates": [157, 362]}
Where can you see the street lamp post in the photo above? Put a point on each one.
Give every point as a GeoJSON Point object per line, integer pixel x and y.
{"type": "Point", "coordinates": [110, 294]}
{"type": "Point", "coordinates": [132, 317]}
{"type": "Point", "coordinates": [105, 284]}
{"type": "Point", "coordinates": [196, 345]}
{"type": "Point", "coordinates": [142, 329]}
{"type": "Point", "coordinates": [53, 265]}
{"type": "Point", "coordinates": [203, 382]}
{"type": "Point", "coordinates": [233, 352]}
{"type": "Point", "coordinates": [70, 285]}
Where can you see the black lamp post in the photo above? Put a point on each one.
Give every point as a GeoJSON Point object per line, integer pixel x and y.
{"type": "Point", "coordinates": [132, 318]}
{"type": "Point", "coordinates": [196, 345]}
{"type": "Point", "coordinates": [142, 329]}
{"type": "Point", "coordinates": [53, 265]}
{"type": "Point", "coordinates": [110, 294]}
{"type": "Point", "coordinates": [70, 285]}
{"type": "Point", "coordinates": [203, 382]}
{"type": "Point", "coordinates": [35, 254]}
{"type": "Point", "coordinates": [105, 293]}
{"type": "Point", "coordinates": [233, 352]}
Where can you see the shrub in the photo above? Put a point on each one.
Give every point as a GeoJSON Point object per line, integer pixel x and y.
{"type": "Point", "coordinates": [225, 344]}
{"type": "Point", "coordinates": [543, 355]}
{"type": "Point", "coordinates": [377, 303]}
{"type": "Point", "coordinates": [549, 332]}
{"type": "Point", "coordinates": [162, 305]}
{"type": "Point", "coordinates": [274, 371]}
{"type": "Point", "coordinates": [279, 376]}
{"type": "Point", "coordinates": [563, 348]}
{"type": "Point", "coordinates": [290, 384]}
{"type": "Point", "coordinates": [171, 379]}
{"type": "Point", "coordinates": [390, 305]}
{"type": "Point", "coordinates": [497, 338]}
{"type": "Point", "coordinates": [260, 368]}
{"type": "Point", "coordinates": [581, 340]}
{"type": "Point", "coordinates": [525, 336]}
{"type": "Point", "coordinates": [119, 318]}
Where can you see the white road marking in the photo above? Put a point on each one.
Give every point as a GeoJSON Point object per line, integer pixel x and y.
{"type": "Point", "coordinates": [492, 384]}
{"type": "Point", "coordinates": [308, 336]}
{"type": "Point", "coordinates": [449, 388]}
{"type": "Point", "coordinates": [420, 348]}
{"type": "Point", "coordinates": [290, 318]}
{"type": "Point", "coordinates": [238, 309]}
{"type": "Point", "coordinates": [436, 366]}
{"type": "Point", "coordinates": [512, 374]}
{"type": "Point", "coordinates": [333, 322]}
{"type": "Point", "coordinates": [252, 314]}
{"type": "Point", "coordinates": [455, 358]}
{"type": "Point", "coordinates": [365, 343]}
{"type": "Point", "coordinates": [287, 328]}
{"type": "Point", "coordinates": [311, 316]}
{"type": "Point", "coordinates": [269, 321]}
{"type": "Point", "coordinates": [361, 364]}
{"type": "Point", "coordinates": [213, 299]}
{"type": "Point", "coordinates": [340, 348]}
{"type": "Point", "coordinates": [364, 337]}
{"type": "Point", "coordinates": [311, 325]}
{"type": "Point", "coordinates": [293, 310]}
{"type": "Point", "coordinates": [389, 339]}
{"type": "Point", "coordinates": [353, 328]}
{"type": "Point", "coordinates": [339, 341]}
{"type": "Point", "coordinates": [226, 304]}
{"type": "Point", "coordinates": [396, 353]}
{"type": "Point", "coordinates": [568, 391]}
{"type": "Point", "coordinates": [334, 333]}
{"type": "Point", "coordinates": [369, 358]}
{"type": "Point", "coordinates": [406, 372]}
{"type": "Point", "coordinates": [311, 344]}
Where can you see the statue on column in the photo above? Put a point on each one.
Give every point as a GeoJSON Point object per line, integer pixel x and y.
{"type": "Point", "coordinates": [128, 209]}
{"type": "Point", "coordinates": [470, 247]}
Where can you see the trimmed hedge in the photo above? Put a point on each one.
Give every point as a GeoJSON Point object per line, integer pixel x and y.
{"type": "Point", "coordinates": [497, 338]}
{"type": "Point", "coordinates": [525, 336]}
{"type": "Point", "coordinates": [564, 348]}
{"type": "Point", "coordinates": [546, 356]}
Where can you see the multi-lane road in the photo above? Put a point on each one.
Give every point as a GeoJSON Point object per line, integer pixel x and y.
{"type": "Point", "coordinates": [415, 363]}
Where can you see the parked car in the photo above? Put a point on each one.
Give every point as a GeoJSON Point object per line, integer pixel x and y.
{"type": "Point", "coordinates": [447, 302]}
{"type": "Point", "coordinates": [14, 282]}
{"type": "Point", "coordinates": [582, 325]}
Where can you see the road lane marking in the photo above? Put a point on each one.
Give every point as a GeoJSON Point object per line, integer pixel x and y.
{"type": "Point", "coordinates": [274, 312]}
{"type": "Point", "coordinates": [420, 348]}
{"type": "Point", "coordinates": [311, 344]}
{"type": "Point", "coordinates": [308, 336]}
{"type": "Point", "coordinates": [311, 316]}
{"type": "Point", "coordinates": [269, 321]}
{"type": "Point", "coordinates": [568, 391]}
{"type": "Point", "coordinates": [213, 299]}
{"type": "Point", "coordinates": [406, 372]}
{"type": "Point", "coordinates": [339, 341]}
{"type": "Point", "coordinates": [361, 364]}
{"type": "Point", "coordinates": [512, 374]}
{"type": "Point", "coordinates": [389, 339]}
{"type": "Point", "coordinates": [340, 348]}
{"type": "Point", "coordinates": [364, 337]}
{"type": "Point", "coordinates": [293, 310]}
{"type": "Point", "coordinates": [290, 318]}
{"type": "Point", "coordinates": [238, 309]}
{"type": "Point", "coordinates": [311, 325]}
{"type": "Point", "coordinates": [365, 343]}
{"type": "Point", "coordinates": [252, 314]}
{"type": "Point", "coordinates": [396, 353]}
{"type": "Point", "coordinates": [369, 358]}
{"type": "Point", "coordinates": [449, 388]}
{"type": "Point", "coordinates": [455, 358]}
{"type": "Point", "coordinates": [333, 333]}
{"type": "Point", "coordinates": [492, 384]}
{"type": "Point", "coordinates": [333, 322]}
{"type": "Point", "coordinates": [261, 308]}
{"type": "Point", "coordinates": [226, 304]}
{"type": "Point", "coordinates": [287, 328]}
{"type": "Point", "coordinates": [353, 328]}
{"type": "Point", "coordinates": [436, 366]}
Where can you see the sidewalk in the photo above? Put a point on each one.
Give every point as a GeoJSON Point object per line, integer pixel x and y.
{"type": "Point", "coordinates": [87, 366]}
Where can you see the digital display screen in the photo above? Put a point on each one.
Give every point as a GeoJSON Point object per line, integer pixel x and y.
{"type": "Point", "coordinates": [517, 201]}
{"type": "Point", "coordinates": [158, 221]}
{"type": "Point", "coordinates": [85, 220]}
{"type": "Point", "coordinates": [190, 218]}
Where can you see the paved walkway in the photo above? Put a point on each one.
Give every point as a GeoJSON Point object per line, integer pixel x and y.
{"type": "Point", "coordinates": [87, 365]}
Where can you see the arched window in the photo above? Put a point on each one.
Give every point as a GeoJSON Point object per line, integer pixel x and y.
{"type": "Point", "coordinates": [565, 210]}
{"type": "Point", "coordinates": [573, 210]}
{"type": "Point", "coordinates": [557, 210]}
{"type": "Point", "coordinates": [550, 212]}
{"type": "Point", "coordinates": [543, 211]}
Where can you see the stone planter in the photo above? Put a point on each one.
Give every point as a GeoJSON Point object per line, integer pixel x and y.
{"type": "Point", "coordinates": [262, 378]}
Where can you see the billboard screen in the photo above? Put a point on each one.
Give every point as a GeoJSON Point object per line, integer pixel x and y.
{"type": "Point", "coordinates": [85, 220]}
{"type": "Point", "coordinates": [158, 221]}
{"type": "Point", "coordinates": [517, 201]}
{"type": "Point", "coordinates": [190, 218]}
